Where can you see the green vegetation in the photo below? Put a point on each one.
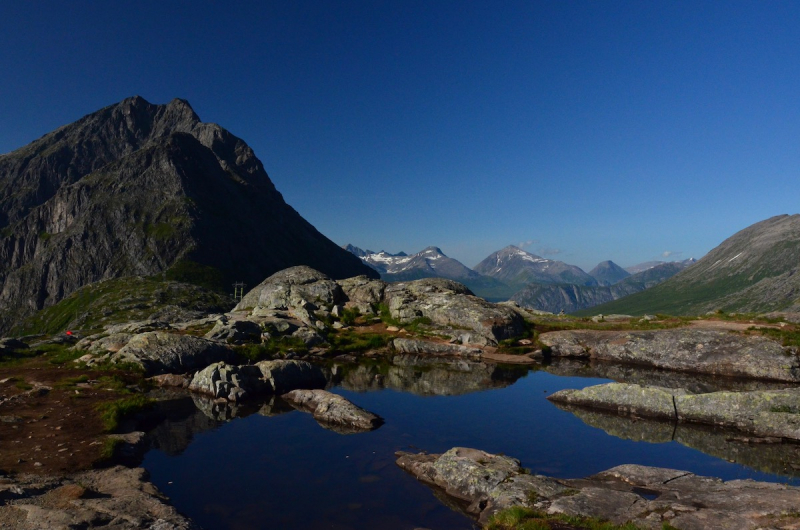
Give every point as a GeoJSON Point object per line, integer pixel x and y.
{"type": "Point", "coordinates": [349, 316]}
{"type": "Point", "coordinates": [6, 232]}
{"type": "Point", "coordinates": [117, 301]}
{"type": "Point", "coordinates": [417, 326]}
{"type": "Point", "coordinates": [112, 413]}
{"type": "Point", "coordinates": [71, 382]}
{"type": "Point", "coordinates": [188, 271]}
{"type": "Point", "coordinates": [345, 341]}
{"type": "Point", "coordinates": [109, 449]}
{"type": "Point", "coordinates": [22, 384]}
{"type": "Point", "coordinates": [786, 336]}
{"type": "Point", "coordinates": [274, 347]}
{"type": "Point", "coordinates": [519, 518]}
{"type": "Point", "coordinates": [59, 353]}
{"type": "Point", "coordinates": [44, 236]}
{"type": "Point", "coordinates": [785, 409]}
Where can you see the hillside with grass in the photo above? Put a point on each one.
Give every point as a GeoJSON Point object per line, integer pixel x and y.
{"type": "Point", "coordinates": [753, 271]}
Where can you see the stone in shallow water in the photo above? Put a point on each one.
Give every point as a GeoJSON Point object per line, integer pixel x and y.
{"type": "Point", "coordinates": [329, 408]}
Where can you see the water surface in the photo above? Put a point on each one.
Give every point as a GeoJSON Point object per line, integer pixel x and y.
{"type": "Point", "coordinates": [273, 466]}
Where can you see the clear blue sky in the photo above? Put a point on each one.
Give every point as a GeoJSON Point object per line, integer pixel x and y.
{"type": "Point", "coordinates": [593, 130]}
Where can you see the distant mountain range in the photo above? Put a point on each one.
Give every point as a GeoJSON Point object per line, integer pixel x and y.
{"type": "Point", "coordinates": [512, 273]}
{"type": "Point", "coordinates": [572, 298]}
{"type": "Point", "coordinates": [755, 270]}
{"type": "Point", "coordinates": [517, 268]}
{"type": "Point", "coordinates": [431, 262]}
{"type": "Point", "coordinates": [137, 189]}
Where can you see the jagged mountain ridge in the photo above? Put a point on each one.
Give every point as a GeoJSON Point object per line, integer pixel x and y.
{"type": "Point", "coordinates": [608, 273]}
{"type": "Point", "coordinates": [754, 270]}
{"type": "Point", "coordinates": [633, 269]}
{"type": "Point", "coordinates": [431, 262]}
{"type": "Point", "coordinates": [517, 268]}
{"type": "Point", "coordinates": [571, 298]}
{"type": "Point", "coordinates": [141, 189]}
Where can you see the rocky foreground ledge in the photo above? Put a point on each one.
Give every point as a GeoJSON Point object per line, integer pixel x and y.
{"type": "Point", "coordinates": [649, 497]}
{"type": "Point", "coordinates": [118, 497]}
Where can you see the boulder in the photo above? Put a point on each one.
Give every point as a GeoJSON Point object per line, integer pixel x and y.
{"type": "Point", "coordinates": [234, 383]}
{"type": "Point", "coordinates": [682, 349]}
{"type": "Point", "coordinates": [102, 344]}
{"type": "Point", "coordinates": [235, 331]}
{"type": "Point", "coordinates": [158, 352]}
{"type": "Point", "coordinates": [283, 376]}
{"type": "Point", "coordinates": [647, 497]}
{"type": "Point", "coordinates": [448, 303]}
{"type": "Point", "coordinates": [363, 293]}
{"type": "Point", "coordinates": [293, 287]}
{"type": "Point", "coordinates": [487, 482]}
{"type": "Point", "coordinates": [329, 408]}
{"type": "Point", "coordinates": [418, 346]}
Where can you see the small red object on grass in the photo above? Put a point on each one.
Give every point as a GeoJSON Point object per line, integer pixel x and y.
{"type": "Point", "coordinates": [69, 332]}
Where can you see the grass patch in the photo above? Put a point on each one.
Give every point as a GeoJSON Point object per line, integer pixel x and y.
{"type": "Point", "coordinates": [520, 518]}
{"type": "Point", "coordinates": [418, 325]}
{"type": "Point", "coordinates": [112, 413]}
{"type": "Point", "coordinates": [349, 316]}
{"type": "Point", "coordinates": [59, 353]}
{"type": "Point", "coordinates": [345, 341]}
{"type": "Point", "coordinates": [21, 384]}
{"type": "Point", "coordinates": [786, 336]}
{"type": "Point", "coordinates": [274, 347]}
{"type": "Point", "coordinates": [159, 231]}
{"type": "Point", "coordinates": [109, 448]}
{"type": "Point", "coordinates": [71, 382]}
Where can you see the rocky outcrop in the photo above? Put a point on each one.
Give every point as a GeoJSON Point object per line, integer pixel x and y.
{"type": "Point", "coordinates": [237, 383]}
{"type": "Point", "coordinates": [233, 383]}
{"type": "Point", "coordinates": [418, 346]}
{"type": "Point", "coordinates": [293, 288]}
{"type": "Point", "coordinates": [763, 413]}
{"type": "Point", "coordinates": [157, 352]}
{"type": "Point", "coordinates": [186, 195]}
{"type": "Point", "coordinates": [283, 376]}
{"type": "Point", "coordinates": [649, 497]}
{"type": "Point", "coordinates": [328, 408]}
{"type": "Point", "coordinates": [363, 293]}
{"type": "Point", "coordinates": [682, 349]}
{"type": "Point", "coordinates": [448, 303]}
{"type": "Point", "coordinates": [117, 497]}
{"type": "Point", "coordinates": [235, 331]}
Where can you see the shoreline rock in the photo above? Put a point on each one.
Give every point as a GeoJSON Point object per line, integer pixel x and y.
{"type": "Point", "coordinates": [762, 413]}
{"type": "Point", "coordinates": [117, 497]}
{"type": "Point", "coordinates": [646, 496]}
{"type": "Point", "coordinates": [682, 349]}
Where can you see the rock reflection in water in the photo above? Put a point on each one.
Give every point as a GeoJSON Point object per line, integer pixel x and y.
{"type": "Point", "coordinates": [645, 376]}
{"type": "Point", "coordinates": [425, 376]}
{"type": "Point", "coordinates": [778, 458]}
{"type": "Point", "coordinates": [176, 421]}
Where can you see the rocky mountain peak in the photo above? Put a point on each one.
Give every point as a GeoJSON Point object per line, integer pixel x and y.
{"type": "Point", "coordinates": [143, 189]}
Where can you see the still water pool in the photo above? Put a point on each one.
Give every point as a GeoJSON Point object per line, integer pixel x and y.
{"type": "Point", "coordinates": [280, 469]}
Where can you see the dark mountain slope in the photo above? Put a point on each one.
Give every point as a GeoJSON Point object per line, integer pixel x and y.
{"type": "Point", "coordinates": [141, 189]}
{"type": "Point", "coordinates": [754, 270]}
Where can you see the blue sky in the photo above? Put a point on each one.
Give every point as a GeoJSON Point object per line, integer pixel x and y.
{"type": "Point", "coordinates": [588, 130]}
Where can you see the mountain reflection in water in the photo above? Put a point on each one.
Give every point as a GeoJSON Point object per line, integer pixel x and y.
{"type": "Point", "coordinates": [263, 464]}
